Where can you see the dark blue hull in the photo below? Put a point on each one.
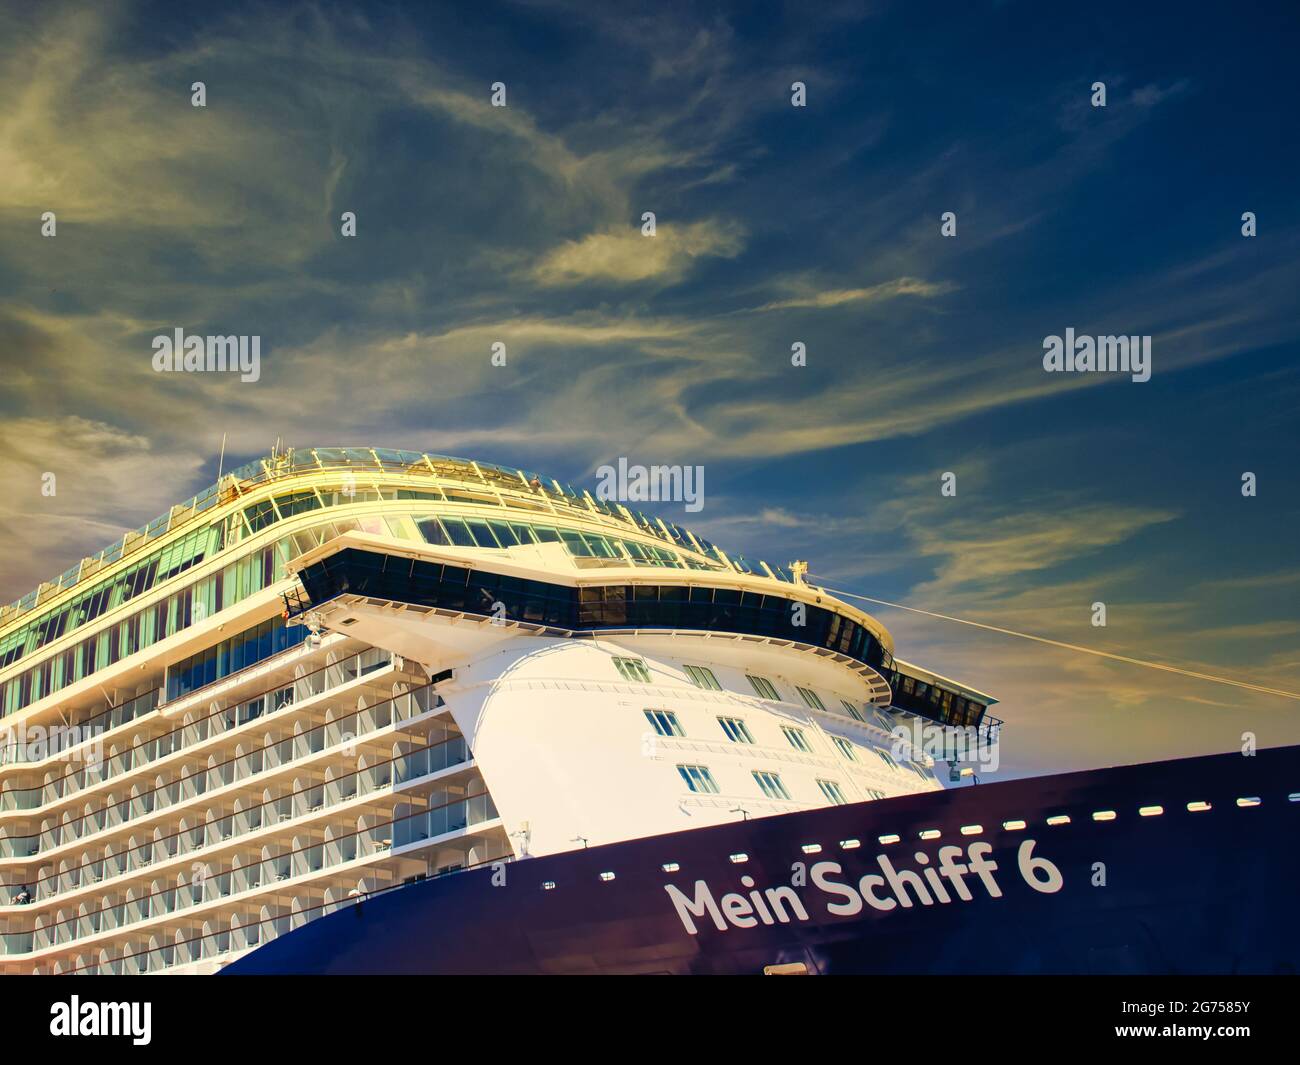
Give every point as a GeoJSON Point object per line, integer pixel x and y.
{"type": "Point", "coordinates": [1179, 892]}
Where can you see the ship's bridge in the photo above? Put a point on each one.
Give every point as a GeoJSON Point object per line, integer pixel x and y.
{"type": "Point", "coordinates": [541, 588]}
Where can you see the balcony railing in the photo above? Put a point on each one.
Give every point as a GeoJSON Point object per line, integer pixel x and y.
{"type": "Point", "coordinates": [258, 760]}
{"type": "Point", "coordinates": [327, 677]}
{"type": "Point", "coordinates": [336, 850]}
{"type": "Point", "coordinates": [296, 603]}
{"type": "Point", "coordinates": [239, 936]}
{"type": "Point", "coordinates": [470, 481]}
{"type": "Point", "coordinates": [12, 752]}
{"type": "Point", "coordinates": [314, 798]}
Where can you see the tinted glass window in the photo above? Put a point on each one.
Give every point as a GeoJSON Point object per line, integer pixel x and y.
{"type": "Point", "coordinates": [432, 532]}
{"type": "Point", "coordinates": [482, 534]}
{"type": "Point", "coordinates": [458, 532]}
{"type": "Point", "coordinates": [505, 537]}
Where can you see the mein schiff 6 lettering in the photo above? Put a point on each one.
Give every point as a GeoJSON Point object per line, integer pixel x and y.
{"type": "Point", "coordinates": [948, 880]}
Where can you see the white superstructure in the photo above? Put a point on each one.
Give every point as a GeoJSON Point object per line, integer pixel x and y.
{"type": "Point", "coordinates": [188, 772]}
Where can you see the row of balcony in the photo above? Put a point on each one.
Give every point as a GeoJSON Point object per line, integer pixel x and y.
{"type": "Point", "coordinates": [343, 844]}
{"type": "Point", "coordinates": [307, 799]}
{"type": "Point", "coordinates": [272, 754]}
{"type": "Point", "coordinates": [218, 938]}
{"type": "Point", "coordinates": [90, 772]}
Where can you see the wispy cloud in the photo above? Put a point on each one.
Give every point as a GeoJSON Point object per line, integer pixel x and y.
{"type": "Point", "coordinates": [68, 482]}
{"type": "Point", "coordinates": [624, 254]}
{"type": "Point", "coordinates": [903, 286]}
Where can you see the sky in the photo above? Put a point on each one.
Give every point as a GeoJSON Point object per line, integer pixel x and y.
{"type": "Point", "coordinates": [775, 225]}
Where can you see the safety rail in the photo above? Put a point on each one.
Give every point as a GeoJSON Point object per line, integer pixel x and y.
{"type": "Point", "coordinates": [316, 799]}
{"type": "Point", "coordinates": [213, 724]}
{"type": "Point", "coordinates": [491, 481]}
{"type": "Point", "coordinates": [457, 815]}
{"type": "Point", "coordinates": [388, 711]}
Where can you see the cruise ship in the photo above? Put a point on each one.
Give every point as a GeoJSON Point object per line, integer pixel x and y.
{"type": "Point", "coordinates": [358, 710]}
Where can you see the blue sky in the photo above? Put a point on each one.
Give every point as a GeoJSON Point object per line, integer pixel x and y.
{"type": "Point", "coordinates": [776, 224]}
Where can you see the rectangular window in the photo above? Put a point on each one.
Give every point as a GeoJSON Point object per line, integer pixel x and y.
{"type": "Point", "coordinates": [459, 532]}
{"type": "Point", "coordinates": [846, 748]}
{"type": "Point", "coordinates": [702, 677]}
{"type": "Point", "coordinates": [298, 503]}
{"type": "Point", "coordinates": [832, 791]}
{"type": "Point", "coordinates": [432, 531]}
{"type": "Point", "coordinates": [664, 722]}
{"type": "Point", "coordinates": [698, 779]}
{"type": "Point", "coordinates": [797, 739]}
{"type": "Point", "coordinates": [260, 515]}
{"type": "Point", "coordinates": [522, 532]}
{"type": "Point", "coordinates": [771, 785]}
{"type": "Point", "coordinates": [763, 688]}
{"type": "Point", "coordinates": [633, 669]}
{"type": "Point", "coordinates": [810, 697]}
{"type": "Point", "coordinates": [736, 730]}
{"type": "Point", "coordinates": [245, 649]}
{"type": "Point", "coordinates": [600, 547]}
{"type": "Point", "coordinates": [505, 535]}
{"type": "Point", "coordinates": [575, 543]}
{"type": "Point", "coordinates": [854, 712]}
{"type": "Point", "coordinates": [884, 757]}
{"type": "Point", "coordinates": [482, 534]}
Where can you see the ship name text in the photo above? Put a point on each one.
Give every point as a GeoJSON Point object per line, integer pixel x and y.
{"type": "Point", "coordinates": [957, 875]}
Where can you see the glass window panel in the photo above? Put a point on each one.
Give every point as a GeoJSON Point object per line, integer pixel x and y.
{"type": "Point", "coordinates": [600, 547]}
{"type": "Point", "coordinates": [522, 533]}
{"type": "Point", "coordinates": [702, 677]}
{"type": "Point", "coordinates": [833, 793]}
{"type": "Point", "coordinates": [811, 698]}
{"type": "Point", "coordinates": [770, 784]}
{"type": "Point", "coordinates": [458, 531]}
{"type": "Point", "coordinates": [504, 534]}
{"type": "Point", "coordinates": [432, 531]}
{"type": "Point", "coordinates": [797, 739]}
{"type": "Point", "coordinates": [664, 722]}
{"type": "Point", "coordinates": [698, 779]}
{"type": "Point", "coordinates": [482, 534]}
{"type": "Point", "coordinates": [575, 543]}
{"type": "Point", "coordinates": [736, 730]}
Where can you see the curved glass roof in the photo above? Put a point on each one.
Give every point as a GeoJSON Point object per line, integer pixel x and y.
{"type": "Point", "coordinates": [297, 462]}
